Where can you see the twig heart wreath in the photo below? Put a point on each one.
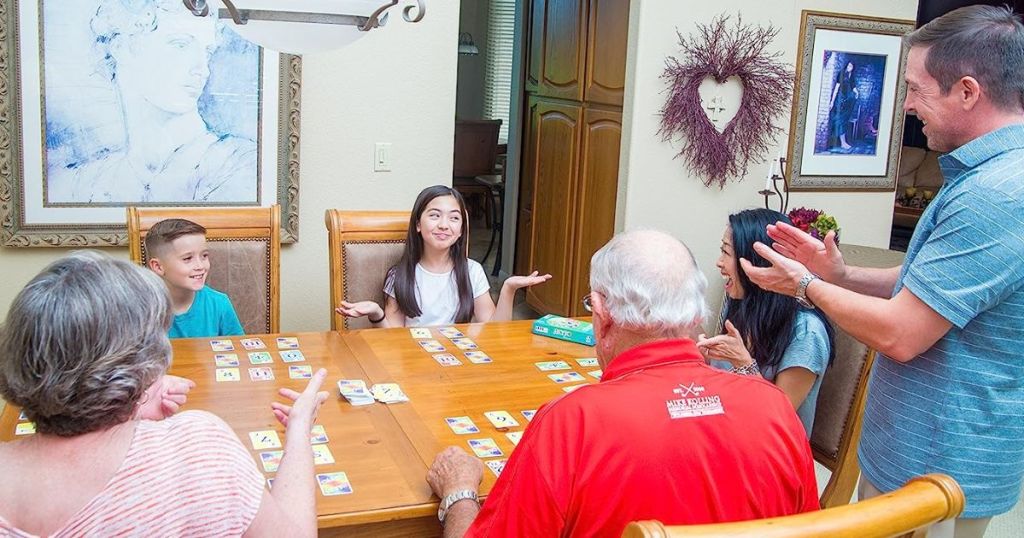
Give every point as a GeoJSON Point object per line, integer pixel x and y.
{"type": "Point", "coordinates": [720, 52]}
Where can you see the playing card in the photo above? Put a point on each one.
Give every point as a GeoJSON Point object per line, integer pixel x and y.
{"type": "Point", "coordinates": [496, 466]}
{"type": "Point", "coordinates": [431, 346]}
{"type": "Point", "coordinates": [334, 484]}
{"type": "Point", "coordinates": [264, 439]}
{"type": "Point", "coordinates": [322, 455]}
{"type": "Point", "coordinates": [447, 359]}
{"type": "Point", "coordinates": [270, 483]}
{"type": "Point", "coordinates": [462, 425]}
{"type": "Point", "coordinates": [261, 374]}
{"type": "Point", "coordinates": [22, 415]}
{"type": "Point", "coordinates": [464, 343]}
{"type": "Point", "coordinates": [271, 460]}
{"type": "Point", "coordinates": [228, 374]}
{"type": "Point", "coordinates": [515, 437]}
{"type": "Point", "coordinates": [318, 435]}
{"type": "Point", "coordinates": [566, 377]}
{"type": "Point", "coordinates": [596, 374]}
{"type": "Point", "coordinates": [478, 357]}
{"type": "Point", "coordinates": [571, 388]}
{"type": "Point", "coordinates": [292, 355]}
{"type": "Point", "coordinates": [485, 448]}
{"type": "Point", "coordinates": [588, 362]}
{"type": "Point", "coordinates": [253, 343]}
{"type": "Point", "coordinates": [528, 413]}
{"type": "Point", "coordinates": [355, 391]}
{"type": "Point", "coordinates": [222, 345]}
{"type": "Point", "coordinates": [548, 366]}
{"type": "Point", "coordinates": [25, 428]}
{"type": "Point", "coordinates": [501, 419]}
{"type": "Point", "coordinates": [388, 393]}
{"type": "Point", "coordinates": [260, 357]}
{"type": "Point", "coordinates": [224, 360]}
{"type": "Point", "coordinates": [450, 332]}
{"type": "Point", "coordinates": [304, 371]}
{"type": "Point", "coordinates": [287, 342]}
{"type": "Point", "coordinates": [420, 333]}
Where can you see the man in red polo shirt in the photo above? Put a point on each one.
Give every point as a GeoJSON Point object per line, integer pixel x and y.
{"type": "Point", "coordinates": [662, 436]}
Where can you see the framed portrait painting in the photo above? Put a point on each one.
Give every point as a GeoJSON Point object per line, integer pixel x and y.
{"type": "Point", "coordinates": [846, 127]}
{"type": "Point", "coordinates": [106, 104]}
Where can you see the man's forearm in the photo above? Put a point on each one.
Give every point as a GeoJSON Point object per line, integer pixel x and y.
{"type": "Point", "coordinates": [870, 281]}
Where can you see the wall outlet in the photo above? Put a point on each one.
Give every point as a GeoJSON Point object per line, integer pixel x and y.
{"type": "Point", "coordinates": [382, 157]}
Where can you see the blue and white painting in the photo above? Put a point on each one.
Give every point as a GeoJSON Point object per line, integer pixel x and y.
{"type": "Point", "coordinates": [850, 103]}
{"type": "Point", "coordinates": [147, 104]}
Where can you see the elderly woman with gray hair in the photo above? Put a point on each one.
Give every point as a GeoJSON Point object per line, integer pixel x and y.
{"type": "Point", "coordinates": [83, 352]}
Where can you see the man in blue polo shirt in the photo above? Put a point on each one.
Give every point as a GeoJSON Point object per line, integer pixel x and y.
{"type": "Point", "coordinates": [948, 394]}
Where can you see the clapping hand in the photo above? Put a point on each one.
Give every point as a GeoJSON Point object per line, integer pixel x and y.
{"type": "Point", "coordinates": [726, 347]}
{"type": "Point", "coordinates": [821, 258]}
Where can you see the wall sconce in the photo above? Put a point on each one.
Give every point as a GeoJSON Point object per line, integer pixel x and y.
{"type": "Point", "coordinates": [466, 45]}
{"type": "Point", "coordinates": [305, 25]}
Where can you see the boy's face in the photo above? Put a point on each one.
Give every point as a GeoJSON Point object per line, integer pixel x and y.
{"type": "Point", "coordinates": [185, 263]}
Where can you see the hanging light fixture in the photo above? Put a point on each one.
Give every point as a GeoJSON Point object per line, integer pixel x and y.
{"type": "Point", "coordinates": [304, 25]}
{"type": "Point", "coordinates": [466, 44]}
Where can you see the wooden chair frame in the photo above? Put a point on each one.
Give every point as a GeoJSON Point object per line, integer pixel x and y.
{"type": "Point", "coordinates": [843, 464]}
{"type": "Point", "coordinates": [221, 224]}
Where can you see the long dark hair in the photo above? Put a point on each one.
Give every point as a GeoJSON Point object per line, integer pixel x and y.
{"type": "Point", "coordinates": [764, 319]}
{"type": "Point", "coordinates": [404, 273]}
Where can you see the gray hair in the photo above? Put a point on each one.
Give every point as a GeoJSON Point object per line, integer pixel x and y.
{"type": "Point", "coordinates": [83, 341]}
{"type": "Point", "coordinates": [984, 42]}
{"type": "Point", "coordinates": [650, 283]}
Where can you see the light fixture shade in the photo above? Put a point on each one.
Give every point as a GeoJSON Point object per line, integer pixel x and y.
{"type": "Point", "coordinates": [466, 44]}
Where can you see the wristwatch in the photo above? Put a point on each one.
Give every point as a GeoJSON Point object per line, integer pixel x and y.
{"type": "Point", "coordinates": [801, 290]}
{"type": "Point", "coordinates": [453, 498]}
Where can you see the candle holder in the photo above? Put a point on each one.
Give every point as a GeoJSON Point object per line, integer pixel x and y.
{"type": "Point", "coordinates": [782, 194]}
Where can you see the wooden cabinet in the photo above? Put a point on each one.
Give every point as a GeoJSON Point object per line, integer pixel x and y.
{"type": "Point", "coordinates": [606, 54]}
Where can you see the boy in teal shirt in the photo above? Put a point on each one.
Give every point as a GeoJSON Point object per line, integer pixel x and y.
{"type": "Point", "coordinates": [176, 250]}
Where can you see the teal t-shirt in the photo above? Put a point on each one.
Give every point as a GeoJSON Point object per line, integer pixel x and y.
{"type": "Point", "coordinates": [210, 315]}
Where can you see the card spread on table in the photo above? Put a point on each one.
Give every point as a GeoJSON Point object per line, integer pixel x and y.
{"type": "Point", "coordinates": [566, 377]}
{"type": "Point", "coordinates": [271, 460]}
{"type": "Point", "coordinates": [420, 333]}
{"type": "Point", "coordinates": [25, 428]}
{"type": "Point", "coordinates": [292, 355]}
{"type": "Point", "coordinates": [447, 359]}
{"type": "Point", "coordinates": [548, 366]}
{"type": "Point", "coordinates": [571, 388]}
{"type": "Point", "coordinates": [260, 357]}
{"type": "Point", "coordinates": [496, 466]}
{"type": "Point", "coordinates": [596, 374]}
{"type": "Point", "coordinates": [322, 455]}
{"type": "Point", "coordinates": [264, 439]}
{"type": "Point", "coordinates": [334, 484]}
{"type": "Point", "coordinates": [478, 357]}
{"type": "Point", "coordinates": [355, 391]}
{"type": "Point", "coordinates": [228, 374]}
{"type": "Point", "coordinates": [485, 448]}
{"type": "Point", "coordinates": [318, 435]}
{"type": "Point", "coordinates": [431, 346]}
{"type": "Point", "coordinates": [270, 483]}
{"type": "Point", "coordinates": [225, 360]}
{"type": "Point", "coordinates": [304, 371]}
{"type": "Point", "coordinates": [253, 343]}
{"type": "Point", "coordinates": [501, 419]}
{"type": "Point", "coordinates": [528, 413]}
{"type": "Point", "coordinates": [515, 437]}
{"type": "Point", "coordinates": [588, 362]}
{"type": "Point", "coordinates": [450, 332]}
{"type": "Point", "coordinates": [462, 425]}
{"type": "Point", "coordinates": [287, 342]}
{"type": "Point", "coordinates": [222, 345]}
{"type": "Point", "coordinates": [22, 415]}
{"type": "Point", "coordinates": [464, 343]}
{"type": "Point", "coordinates": [388, 393]}
{"type": "Point", "coordinates": [261, 374]}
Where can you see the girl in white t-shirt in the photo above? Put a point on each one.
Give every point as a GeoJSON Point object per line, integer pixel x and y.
{"type": "Point", "coordinates": [434, 283]}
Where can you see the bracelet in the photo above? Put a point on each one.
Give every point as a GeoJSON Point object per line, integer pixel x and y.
{"type": "Point", "coordinates": [371, 320]}
{"type": "Point", "coordinates": [747, 369]}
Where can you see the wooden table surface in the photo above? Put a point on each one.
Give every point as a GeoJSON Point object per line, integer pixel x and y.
{"type": "Point", "coordinates": [384, 449]}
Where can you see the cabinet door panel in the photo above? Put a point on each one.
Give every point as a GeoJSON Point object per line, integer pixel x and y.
{"type": "Point", "coordinates": [606, 51]}
{"type": "Point", "coordinates": [563, 49]}
{"type": "Point", "coordinates": [535, 40]}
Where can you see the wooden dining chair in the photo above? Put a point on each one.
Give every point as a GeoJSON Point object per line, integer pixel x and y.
{"type": "Point", "coordinates": [906, 512]}
{"type": "Point", "coordinates": [245, 256]}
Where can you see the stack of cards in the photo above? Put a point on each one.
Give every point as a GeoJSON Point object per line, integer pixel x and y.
{"type": "Point", "coordinates": [354, 390]}
{"type": "Point", "coordinates": [388, 393]}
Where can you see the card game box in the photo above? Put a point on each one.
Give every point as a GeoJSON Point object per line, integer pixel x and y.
{"type": "Point", "coordinates": [581, 332]}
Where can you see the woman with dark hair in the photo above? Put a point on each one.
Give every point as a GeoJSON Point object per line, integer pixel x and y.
{"type": "Point", "coordinates": [434, 283]}
{"type": "Point", "coordinates": [842, 104]}
{"type": "Point", "coordinates": [768, 334]}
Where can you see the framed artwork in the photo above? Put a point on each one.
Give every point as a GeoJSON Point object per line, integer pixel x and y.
{"type": "Point", "coordinates": [846, 127]}
{"type": "Point", "coordinates": [106, 104]}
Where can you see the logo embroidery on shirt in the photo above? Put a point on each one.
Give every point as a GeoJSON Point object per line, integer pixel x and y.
{"type": "Point", "coordinates": [692, 404]}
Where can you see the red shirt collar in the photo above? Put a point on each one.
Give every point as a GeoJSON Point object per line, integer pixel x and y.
{"type": "Point", "coordinates": [651, 354]}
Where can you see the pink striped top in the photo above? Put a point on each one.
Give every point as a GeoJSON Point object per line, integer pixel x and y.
{"type": "Point", "coordinates": [188, 475]}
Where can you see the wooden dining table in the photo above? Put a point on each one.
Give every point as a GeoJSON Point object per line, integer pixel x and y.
{"type": "Point", "coordinates": [384, 449]}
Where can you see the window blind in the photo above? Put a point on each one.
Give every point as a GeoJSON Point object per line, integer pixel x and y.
{"type": "Point", "coordinates": [498, 64]}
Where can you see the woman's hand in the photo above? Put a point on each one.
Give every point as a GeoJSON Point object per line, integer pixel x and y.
{"type": "Point", "coordinates": [532, 279]}
{"type": "Point", "coordinates": [360, 309]}
{"type": "Point", "coordinates": [302, 412]}
{"type": "Point", "coordinates": [726, 347]}
{"type": "Point", "coordinates": [163, 398]}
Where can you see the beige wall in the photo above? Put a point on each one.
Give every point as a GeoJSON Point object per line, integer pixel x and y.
{"type": "Point", "coordinates": [397, 84]}
{"type": "Point", "coordinates": [656, 190]}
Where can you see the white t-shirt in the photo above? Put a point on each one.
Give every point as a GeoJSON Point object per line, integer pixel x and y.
{"type": "Point", "coordinates": [438, 296]}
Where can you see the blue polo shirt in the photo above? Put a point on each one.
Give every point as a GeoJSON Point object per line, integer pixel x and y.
{"type": "Point", "coordinates": [958, 408]}
{"type": "Point", "coordinates": [210, 315]}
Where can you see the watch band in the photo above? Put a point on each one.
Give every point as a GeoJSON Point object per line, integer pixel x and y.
{"type": "Point", "coordinates": [801, 290]}
{"type": "Point", "coordinates": [451, 499]}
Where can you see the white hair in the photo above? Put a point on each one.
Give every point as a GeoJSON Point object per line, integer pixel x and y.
{"type": "Point", "coordinates": [650, 283]}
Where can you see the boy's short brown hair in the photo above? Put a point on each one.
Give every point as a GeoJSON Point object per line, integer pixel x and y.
{"type": "Point", "coordinates": [166, 231]}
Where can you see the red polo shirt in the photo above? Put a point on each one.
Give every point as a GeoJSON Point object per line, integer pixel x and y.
{"type": "Point", "coordinates": [662, 436]}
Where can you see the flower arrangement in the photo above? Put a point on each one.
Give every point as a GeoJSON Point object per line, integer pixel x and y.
{"type": "Point", "coordinates": [814, 221]}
